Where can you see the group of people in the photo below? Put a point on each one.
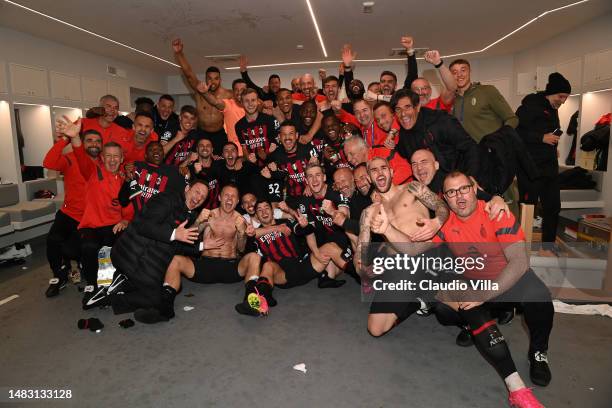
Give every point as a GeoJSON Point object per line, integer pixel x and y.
{"type": "Point", "coordinates": [277, 187]}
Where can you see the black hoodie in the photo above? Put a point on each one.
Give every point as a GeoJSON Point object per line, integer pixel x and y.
{"type": "Point", "coordinates": [537, 117]}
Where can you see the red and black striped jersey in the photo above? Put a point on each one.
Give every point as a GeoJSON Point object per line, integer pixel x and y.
{"type": "Point", "coordinates": [276, 246]}
{"type": "Point", "coordinates": [149, 180]}
{"type": "Point", "coordinates": [311, 207]}
{"type": "Point", "coordinates": [258, 134]}
{"type": "Point", "coordinates": [292, 167]}
{"type": "Point", "coordinates": [182, 148]}
{"type": "Point", "coordinates": [212, 177]}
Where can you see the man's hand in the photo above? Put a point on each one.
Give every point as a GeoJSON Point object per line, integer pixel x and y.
{"type": "Point", "coordinates": [427, 229]}
{"type": "Point", "coordinates": [284, 229]}
{"type": "Point", "coordinates": [129, 170]}
{"type": "Point", "coordinates": [497, 208]}
{"type": "Point", "coordinates": [65, 127]}
{"type": "Point", "coordinates": [433, 57]}
{"type": "Point", "coordinates": [197, 167]}
{"type": "Point", "coordinates": [204, 215]}
{"type": "Point", "coordinates": [469, 305]}
{"type": "Point", "coordinates": [252, 158]}
{"type": "Point", "coordinates": [348, 56]}
{"type": "Point", "coordinates": [322, 73]}
{"type": "Point", "coordinates": [307, 192]}
{"type": "Point", "coordinates": [328, 207]}
{"type": "Point", "coordinates": [202, 87]}
{"type": "Point", "coordinates": [284, 207]}
{"type": "Point", "coordinates": [177, 45]}
{"type": "Point", "coordinates": [183, 171]}
{"type": "Point", "coordinates": [240, 223]}
{"type": "Point", "coordinates": [213, 243]}
{"type": "Point", "coordinates": [243, 63]}
{"type": "Point", "coordinates": [120, 226]}
{"type": "Point", "coordinates": [407, 42]}
{"type": "Point", "coordinates": [272, 147]}
{"type": "Point", "coordinates": [389, 142]}
{"type": "Point", "coordinates": [339, 218]}
{"type": "Point", "coordinates": [370, 96]}
{"type": "Point", "coordinates": [186, 235]}
{"type": "Point", "coordinates": [250, 230]}
{"type": "Point", "coordinates": [180, 135]}
{"type": "Point", "coordinates": [550, 139]}
{"type": "Point", "coordinates": [380, 220]}
{"type": "Point", "coordinates": [302, 220]}
{"type": "Point", "coordinates": [336, 105]}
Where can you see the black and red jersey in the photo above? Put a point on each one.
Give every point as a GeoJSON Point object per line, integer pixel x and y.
{"type": "Point", "coordinates": [181, 149]}
{"type": "Point", "coordinates": [276, 246]}
{"type": "Point", "coordinates": [212, 177]}
{"type": "Point", "coordinates": [311, 207]}
{"type": "Point", "coordinates": [258, 134]}
{"type": "Point", "coordinates": [149, 180]}
{"type": "Point", "coordinates": [292, 167]}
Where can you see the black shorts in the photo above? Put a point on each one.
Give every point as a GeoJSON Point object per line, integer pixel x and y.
{"type": "Point", "coordinates": [399, 308]}
{"type": "Point", "coordinates": [297, 272]}
{"type": "Point", "coordinates": [218, 139]}
{"type": "Point", "coordinates": [339, 238]}
{"type": "Point", "coordinates": [216, 270]}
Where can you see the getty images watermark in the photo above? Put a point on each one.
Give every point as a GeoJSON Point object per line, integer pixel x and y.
{"type": "Point", "coordinates": [477, 272]}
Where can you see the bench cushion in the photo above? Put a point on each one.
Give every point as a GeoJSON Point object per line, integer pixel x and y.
{"type": "Point", "coordinates": [9, 194]}
{"type": "Point", "coordinates": [29, 210]}
{"type": "Point", "coordinates": [5, 219]}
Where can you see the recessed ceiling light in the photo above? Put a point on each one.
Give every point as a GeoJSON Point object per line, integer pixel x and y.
{"type": "Point", "coordinates": [314, 21]}
{"type": "Point", "coordinates": [299, 47]}
{"type": "Point", "coordinates": [443, 56]}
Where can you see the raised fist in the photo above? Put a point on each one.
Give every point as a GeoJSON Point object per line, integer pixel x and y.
{"type": "Point", "coordinates": [177, 45]}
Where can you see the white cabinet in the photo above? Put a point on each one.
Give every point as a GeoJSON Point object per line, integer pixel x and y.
{"type": "Point", "coordinates": [93, 89]}
{"type": "Point", "coordinates": [121, 90]}
{"type": "Point", "coordinates": [598, 67]}
{"type": "Point", "coordinates": [3, 87]}
{"type": "Point", "coordinates": [29, 81]}
{"type": "Point", "coordinates": [572, 71]}
{"type": "Point", "coordinates": [65, 86]}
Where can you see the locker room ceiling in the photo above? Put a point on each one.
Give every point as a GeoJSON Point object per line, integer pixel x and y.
{"type": "Point", "coordinates": [269, 30]}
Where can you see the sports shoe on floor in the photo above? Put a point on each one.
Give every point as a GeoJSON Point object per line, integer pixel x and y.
{"type": "Point", "coordinates": [55, 285]}
{"type": "Point", "coordinates": [539, 371]}
{"type": "Point", "coordinates": [523, 398]}
{"type": "Point", "coordinates": [119, 280]}
{"type": "Point", "coordinates": [327, 282]}
{"type": "Point", "coordinates": [464, 338]}
{"type": "Point", "coordinates": [425, 309]}
{"type": "Point", "coordinates": [254, 305]}
{"type": "Point", "coordinates": [95, 297]}
{"type": "Point", "coordinates": [505, 317]}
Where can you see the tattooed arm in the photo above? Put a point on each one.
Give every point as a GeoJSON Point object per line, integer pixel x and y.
{"type": "Point", "coordinates": [430, 200]}
{"type": "Point", "coordinates": [364, 236]}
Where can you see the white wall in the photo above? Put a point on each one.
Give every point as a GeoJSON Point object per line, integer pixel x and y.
{"type": "Point", "coordinates": [37, 134]}
{"type": "Point", "coordinates": [26, 49]}
{"type": "Point", "coordinates": [9, 155]}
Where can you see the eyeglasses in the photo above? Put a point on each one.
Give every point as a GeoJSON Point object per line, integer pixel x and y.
{"type": "Point", "coordinates": [461, 190]}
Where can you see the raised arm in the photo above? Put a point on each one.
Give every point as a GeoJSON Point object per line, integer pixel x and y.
{"type": "Point", "coordinates": [450, 85]}
{"type": "Point", "coordinates": [245, 76]}
{"type": "Point", "coordinates": [72, 130]}
{"type": "Point", "coordinates": [412, 69]}
{"type": "Point", "coordinates": [202, 89]}
{"type": "Point", "coordinates": [54, 159]}
{"type": "Point", "coordinates": [192, 79]}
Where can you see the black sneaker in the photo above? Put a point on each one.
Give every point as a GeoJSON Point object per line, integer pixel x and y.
{"type": "Point", "coordinates": [464, 338]}
{"type": "Point", "coordinates": [119, 280]}
{"type": "Point", "coordinates": [425, 309]}
{"type": "Point", "coordinates": [505, 317]}
{"type": "Point", "coordinates": [95, 297]}
{"type": "Point", "coordinates": [327, 282]}
{"type": "Point", "coordinates": [539, 371]}
{"type": "Point", "coordinates": [55, 285]}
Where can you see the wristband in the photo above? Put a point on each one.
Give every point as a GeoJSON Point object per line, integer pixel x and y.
{"type": "Point", "coordinates": [439, 65]}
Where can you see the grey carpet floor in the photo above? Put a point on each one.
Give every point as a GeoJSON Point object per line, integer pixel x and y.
{"type": "Point", "coordinates": [213, 357]}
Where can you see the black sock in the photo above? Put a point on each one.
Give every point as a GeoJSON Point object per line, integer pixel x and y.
{"type": "Point", "coordinates": [326, 282]}
{"type": "Point", "coordinates": [249, 287]}
{"type": "Point", "coordinates": [265, 289]}
{"type": "Point", "coordinates": [167, 301]}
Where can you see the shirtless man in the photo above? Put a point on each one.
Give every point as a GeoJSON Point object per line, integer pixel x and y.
{"type": "Point", "coordinates": [407, 210]}
{"type": "Point", "coordinates": [210, 119]}
{"type": "Point", "coordinates": [219, 263]}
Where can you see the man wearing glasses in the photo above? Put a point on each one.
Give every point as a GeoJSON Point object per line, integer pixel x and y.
{"type": "Point", "coordinates": [502, 243]}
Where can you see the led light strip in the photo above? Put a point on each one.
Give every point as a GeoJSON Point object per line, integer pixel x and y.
{"type": "Point", "coordinates": [314, 21]}
{"type": "Point", "coordinates": [403, 59]}
{"type": "Point", "coordinates": [91, 33]}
